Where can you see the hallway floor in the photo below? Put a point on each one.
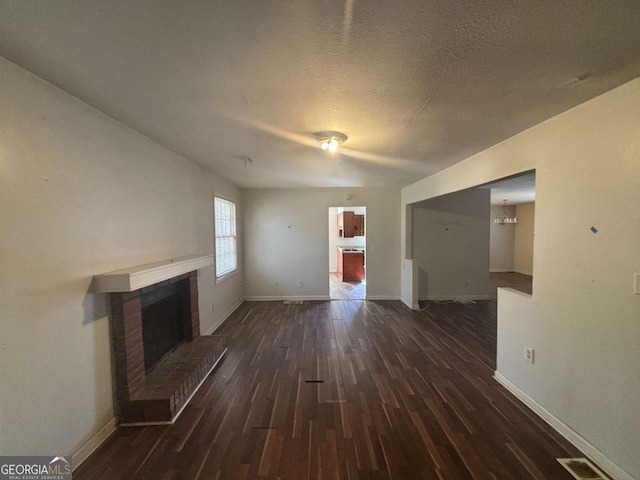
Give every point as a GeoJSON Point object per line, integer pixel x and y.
{"type": "Point", "coordinates": [517, 281]}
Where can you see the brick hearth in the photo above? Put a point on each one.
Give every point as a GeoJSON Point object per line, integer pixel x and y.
{"type": "Point", "coordinates": [159, 395]}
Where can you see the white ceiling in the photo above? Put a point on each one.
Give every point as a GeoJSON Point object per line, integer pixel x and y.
{"type": "Point", "coordinates": [416, 85]}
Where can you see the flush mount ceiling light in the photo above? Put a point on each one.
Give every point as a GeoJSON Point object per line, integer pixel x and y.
{"type": "Point", "coordinates": [503, 219]}
{"type": "Point", "coordinates": [330, 141]}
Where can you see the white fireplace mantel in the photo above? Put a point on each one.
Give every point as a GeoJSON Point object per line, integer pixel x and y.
{"type": "Point", "coordinates": [135, 278]}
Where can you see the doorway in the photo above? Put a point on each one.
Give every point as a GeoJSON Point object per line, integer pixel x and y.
{"type": "Point", "coordinates": [347, 253]}
{"type": "Point", "coordinates": [512, 232]}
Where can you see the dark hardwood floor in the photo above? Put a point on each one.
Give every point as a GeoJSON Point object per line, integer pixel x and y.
{"type": "Point", "coordinates": [346, 389]}
{"type": "Point", "coordinates": [517, 281]}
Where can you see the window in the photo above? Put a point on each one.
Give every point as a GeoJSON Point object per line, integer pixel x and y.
{"type": "Point", "coordinates": [225, 231]}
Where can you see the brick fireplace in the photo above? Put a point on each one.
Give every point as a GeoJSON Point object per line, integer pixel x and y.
{"type": "Point", "coordinates": [156, 394]}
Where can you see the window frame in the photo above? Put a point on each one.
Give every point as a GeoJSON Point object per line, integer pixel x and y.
{"type": "Point", "coordinates": [234, 228]}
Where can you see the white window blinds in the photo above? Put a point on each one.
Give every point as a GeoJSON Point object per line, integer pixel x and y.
{"type": "Point", "coordinates": [225, 231]}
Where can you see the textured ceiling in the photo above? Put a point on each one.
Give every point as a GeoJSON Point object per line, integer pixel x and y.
{"type": "Point", "coordinates": [416, 85]}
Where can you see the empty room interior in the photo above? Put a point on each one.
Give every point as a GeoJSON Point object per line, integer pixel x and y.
{"type": "Point", "coordinates": [321, 239]}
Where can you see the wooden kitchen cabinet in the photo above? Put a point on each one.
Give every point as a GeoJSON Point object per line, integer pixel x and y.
{"type": "Point", "coordinates": [350, 266]}
{"type": "Point", "coordinates": [359, 219]}
{"type": "Point", "coordinates": [350, 225]}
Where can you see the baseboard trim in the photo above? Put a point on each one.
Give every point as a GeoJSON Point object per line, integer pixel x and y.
{"type": "Point", "coordinates": [408, 304]}
{"type": "Point", "coordinates": [278, 298]}
{"type": "Point", "coordinates": [91, 445]}
{"type": "Point", "coordinates": [455, 298]}
{"type": "Point", "coordinates": [381, 297]}
{"type": "Point", "coordinates": [501, 270]}
{"type": "Point", "coordinates": [565, 430]}
{"type": "Point", "coordinates": [223, 318]}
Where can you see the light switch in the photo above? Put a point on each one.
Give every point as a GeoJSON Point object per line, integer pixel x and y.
{"type": "Point", "coordinates": [636, 284]}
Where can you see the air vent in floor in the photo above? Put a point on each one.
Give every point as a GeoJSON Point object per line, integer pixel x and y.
{"type": "Point", "coordinates": [582, 469]}
{"type": "Point", "coordinates": [293, 302]}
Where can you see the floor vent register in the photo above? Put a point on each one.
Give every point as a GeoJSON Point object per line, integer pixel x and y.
{"type": "Point", "coordinates": [582, 469]}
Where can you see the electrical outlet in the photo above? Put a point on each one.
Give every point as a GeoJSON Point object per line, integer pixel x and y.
{"type": "Point", "coordinates": [300, 284]}
{"type": "Point", "coordinates": [528, 353]}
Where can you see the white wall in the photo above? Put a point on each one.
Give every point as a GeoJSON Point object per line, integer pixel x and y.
{"type": "Point", "coordinates": [286, 238]}
{"type": "Point", "coordinates": [583, 319]}
{"type": "Point", "coordinates": [502, 236]}
{"type": "Point", "coordinates": [523, 241]}
{"type": "Point", "coordinates": [81, 194]}
{"type": "Point", "coordinates": [451, 245]}
{"type": "Point", "coordinates": [335, 241]}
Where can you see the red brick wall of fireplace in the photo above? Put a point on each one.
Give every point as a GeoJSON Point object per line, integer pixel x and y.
{"type": "Point", "coordinates": [126, 328]}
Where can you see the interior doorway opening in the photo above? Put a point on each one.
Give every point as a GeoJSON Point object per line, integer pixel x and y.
{"type": "Point", "coordinates": [512, 233]}
{"type": "Point", "coordinates": [466, 244]}
{"type": "Point", "coordinates": [347, 253]}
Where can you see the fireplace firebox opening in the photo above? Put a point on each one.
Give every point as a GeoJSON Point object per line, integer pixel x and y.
{"type": "Point", "coordinates": [162, 323]}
